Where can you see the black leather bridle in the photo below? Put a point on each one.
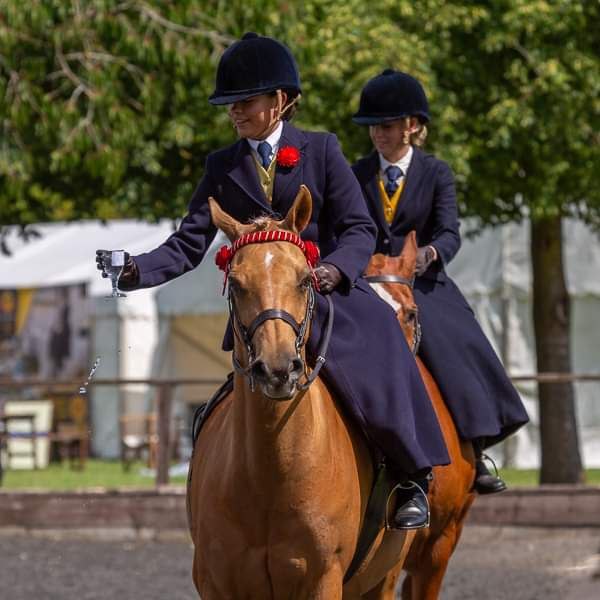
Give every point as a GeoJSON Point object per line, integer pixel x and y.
{"type": "Point", "coordinates": [245, 335]}
{"type": "Point", "coordinates": [389, 278]}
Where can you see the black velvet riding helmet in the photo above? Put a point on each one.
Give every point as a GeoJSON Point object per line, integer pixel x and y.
{"type": "Point", "coordinates": [390, 96]}
{"type": "Point", "coordinates": [254, 65]}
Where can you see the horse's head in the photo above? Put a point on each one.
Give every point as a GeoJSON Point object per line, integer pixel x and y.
{"type": "Point", "coordinates": [271, 295]}
{"type": "Point", "coordinates": [392, 278]}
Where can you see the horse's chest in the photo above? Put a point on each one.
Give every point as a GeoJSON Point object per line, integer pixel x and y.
{"type": "Point", "coordinates": [263, 551]}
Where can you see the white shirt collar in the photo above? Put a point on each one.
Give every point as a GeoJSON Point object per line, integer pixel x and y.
{"type": "Point", "coordinates": [273, 139]}
{"type": "Point", "coordinates": [403, 163]}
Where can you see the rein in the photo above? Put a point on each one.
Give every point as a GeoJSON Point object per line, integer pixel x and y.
{"type": "Point", "coordinates": [311, 252]}
{"type": "Point", "coordinates": [389, 278]}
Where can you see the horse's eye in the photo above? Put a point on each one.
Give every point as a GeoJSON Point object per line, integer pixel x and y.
{"type": "Point", "coordinates": [234, 286]}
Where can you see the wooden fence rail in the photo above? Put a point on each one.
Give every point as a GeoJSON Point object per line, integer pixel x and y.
{"type": "Point", "coordinates": [167, 386]}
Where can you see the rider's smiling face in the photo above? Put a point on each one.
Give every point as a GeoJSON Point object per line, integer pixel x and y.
{"type": "Point", "coordinates": [391, 137]}
{"type": "Point", "coordinates": [257, 117]}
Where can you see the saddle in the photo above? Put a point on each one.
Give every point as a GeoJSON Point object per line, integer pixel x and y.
{"type": "Point", "coordinates": [375, 513]}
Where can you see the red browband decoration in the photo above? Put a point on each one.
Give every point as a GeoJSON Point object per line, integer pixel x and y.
{"type": "Point", "coordinates": [226, 253]}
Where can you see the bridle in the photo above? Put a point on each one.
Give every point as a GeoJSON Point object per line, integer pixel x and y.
{"type": "Point", "coordinates": [246, 333]}
{"type": "Point", "coordinates": [389, 278]}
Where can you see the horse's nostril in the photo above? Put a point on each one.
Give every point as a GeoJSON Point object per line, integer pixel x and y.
{"type": "Point", "coordinates": [259, 369]}
{"type": "Point", "coordinates": [296, 366]}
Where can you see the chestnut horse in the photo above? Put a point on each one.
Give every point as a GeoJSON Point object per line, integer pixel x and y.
{"type": "Point", "coordinates": [280, 479]}
{"type": "Point", "coordinates": [450, 494]}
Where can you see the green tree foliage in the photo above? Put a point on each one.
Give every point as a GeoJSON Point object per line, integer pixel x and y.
{"type": "Point", "coordinates": [104, 108]}
{"type": "Point", "coordinates": [522, 76]}
{"type": "Point", "coordinates": [103, 104]}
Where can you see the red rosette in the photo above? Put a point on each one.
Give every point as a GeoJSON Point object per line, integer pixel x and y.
{"type": "Point", "coordinates": [223, 257]}
{"type": "Point", "coordinates": [288, 156]}
{"type": "Point", "coordinates": [311, 251]}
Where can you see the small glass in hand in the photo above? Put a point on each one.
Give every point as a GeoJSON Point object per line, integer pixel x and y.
{"type": "Point", "coordinates": [113, 262]}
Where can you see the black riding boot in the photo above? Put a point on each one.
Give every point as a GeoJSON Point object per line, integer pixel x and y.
{"type": "Point", "coordinates": [485, 482]}
{"type": "Point", "coordinates": [413, 507]}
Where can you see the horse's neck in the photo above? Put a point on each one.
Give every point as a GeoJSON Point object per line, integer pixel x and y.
{"type": "Point", "coordinates": [275, 438]}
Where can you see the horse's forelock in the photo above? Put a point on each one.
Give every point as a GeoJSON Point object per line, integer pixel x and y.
{"type": "Point", "coordinates": [265, 223]}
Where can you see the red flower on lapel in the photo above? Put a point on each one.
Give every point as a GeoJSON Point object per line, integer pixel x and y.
{"type": "Point", "coordinates": [288, 156]}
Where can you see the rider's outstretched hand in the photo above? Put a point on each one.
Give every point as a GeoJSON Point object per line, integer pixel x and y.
{"type": "Point", "coordinates": [328, 277]}
{"type": "Point", "coordinates": [129, 277]}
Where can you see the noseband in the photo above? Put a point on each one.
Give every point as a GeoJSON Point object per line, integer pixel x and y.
{"type": "Point", "coordinates": [311, 252]}
{"type": "Point", "coordinates": [389, 278]}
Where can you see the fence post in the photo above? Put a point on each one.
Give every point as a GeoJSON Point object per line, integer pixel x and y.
{"type": "Point", "coordinates": [164, 433]}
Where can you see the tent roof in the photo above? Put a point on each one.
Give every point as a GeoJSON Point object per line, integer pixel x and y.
{"type": "Point", "coordinates": [65, 252]}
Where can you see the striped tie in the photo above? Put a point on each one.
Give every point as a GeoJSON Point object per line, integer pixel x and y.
{"type": "Point", "coordinates": [264, 151]}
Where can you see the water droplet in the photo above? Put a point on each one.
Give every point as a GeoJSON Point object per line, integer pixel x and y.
{"type": "Point", "coordinates": [82, 389]}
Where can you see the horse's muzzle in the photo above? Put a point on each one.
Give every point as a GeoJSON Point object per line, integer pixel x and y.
{"type": "Point", "coordinates": [278, 383]}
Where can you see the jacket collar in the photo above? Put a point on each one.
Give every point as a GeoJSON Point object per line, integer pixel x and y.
{"type": "Point", "coordinates": [288, 179]}
{"type": "Point", "coordinates": [243, 172]}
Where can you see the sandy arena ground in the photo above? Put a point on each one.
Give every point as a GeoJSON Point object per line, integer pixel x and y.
{"type": "Point", "coordinates": [495, 563]}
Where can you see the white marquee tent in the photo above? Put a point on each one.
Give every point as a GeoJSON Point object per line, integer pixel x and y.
{"type": "Point", "coordinates": [493, 271]}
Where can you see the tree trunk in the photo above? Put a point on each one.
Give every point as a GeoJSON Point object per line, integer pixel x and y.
{"type": "Point", "coordinates": [561, 460]}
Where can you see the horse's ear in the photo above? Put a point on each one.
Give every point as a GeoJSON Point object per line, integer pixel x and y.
{"type": "Point", "coordinates": [409, 254]}
{"type": "Point", "coordinates": [299, 215]}
{"type": "Point", "coordinates": [224, 221]}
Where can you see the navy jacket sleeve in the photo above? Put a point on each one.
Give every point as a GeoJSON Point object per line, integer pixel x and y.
{"type": "Point", "coordinates": [185, 248]}
{"type": "Point", "coordinates": [445, 234]}
{"type": "Point", "coordinates": [353, 227]}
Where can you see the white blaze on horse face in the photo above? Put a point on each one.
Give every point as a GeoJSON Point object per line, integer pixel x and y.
{"type": "Point", "coordinates": [385, 295]}
{"type": "Point", "coordinates": [268, 259]}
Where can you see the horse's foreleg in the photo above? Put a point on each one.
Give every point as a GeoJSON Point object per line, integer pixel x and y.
{"type": "Point", "coordinates": [330, 585]}
{"type": "Point", "coordinates": [425, 582]}
{"type": "Point", "coordinates": [386, 588]}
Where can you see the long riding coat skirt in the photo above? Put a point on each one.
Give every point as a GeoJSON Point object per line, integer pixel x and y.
{"type": "Point", "coordinates": [369, 366]}
{"type": "Point", "coordinates": [479, 394]}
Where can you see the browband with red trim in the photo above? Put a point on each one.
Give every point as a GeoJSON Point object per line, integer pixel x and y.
{"type": "Point", "coordinates": [225, 254]}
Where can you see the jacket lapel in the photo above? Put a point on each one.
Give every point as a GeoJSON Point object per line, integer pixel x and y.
{"type": "Point", "coordinates": [243, 173]}
{"type": "Point", "coordinates": [371, 187]}
{"type": "Point", "coordinates": [288, 179]}
{"type": "Point", "coordinates": [413, 179]}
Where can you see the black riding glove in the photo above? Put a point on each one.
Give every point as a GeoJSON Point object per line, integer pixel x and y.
{"type": "Point", "coordinates": [129, 277]}
{"type": "Point", "coordinates": [328, 277]}
{"type": "Point", "coordinates": [425, 256]}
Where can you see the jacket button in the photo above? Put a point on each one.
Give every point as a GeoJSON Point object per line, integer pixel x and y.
{"type": "Point", "coordinates": [386, 242]}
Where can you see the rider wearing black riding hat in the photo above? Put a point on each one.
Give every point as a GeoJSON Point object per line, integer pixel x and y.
{"type": "Point", "coordinates": [369, 367]}
{"type": "Point", "coordinates": [407, 189]}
